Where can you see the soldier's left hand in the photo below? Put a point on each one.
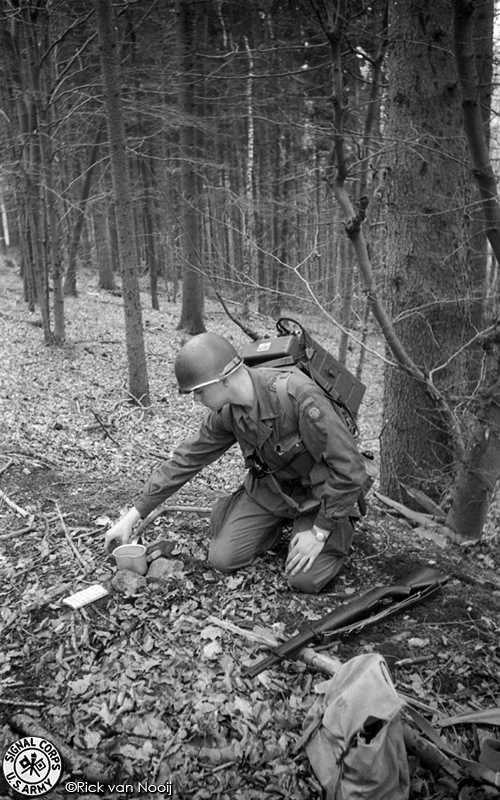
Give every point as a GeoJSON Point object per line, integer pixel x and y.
{"type": "Point", "coordinates": [304, 550]}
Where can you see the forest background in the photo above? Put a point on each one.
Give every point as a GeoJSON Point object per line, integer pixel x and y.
{"type": "Point", "coordinates": [329, 161]}
{"type": "Point", "coordinates": [330, 157]}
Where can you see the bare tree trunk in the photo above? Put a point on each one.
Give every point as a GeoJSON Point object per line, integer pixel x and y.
{"type": "Point", "coordinates": [103, 249]}
{"type": "Point", "coordinates": [249, 244]}
{"type": "Point", "coordinates": [33, 171]}
{"type": "Point", "coordinates": [4, 227]}
{"type": "Point", "coordinates": [192, 293]}
{"type": "Point", "coordinates": [364, 189]}
{"type": "Point", "coordinates": [346, 300]}
{"type": "Point", "coordinates": [364, 337]}
{"type": "Point", "coordinates": [479, 470]}
{"type": "Point", "coordinates": [38, 263]}
{"type": "Point", "coordinates": [136, 354]}
{"type": "Point", "coordinates": [429, 282]}
{"type": "Point", "coordinates": [52, 224]}
{"type": "Point", "coordinates": [70, 280]}
{"type": "Point", "coordinates": [55, 243]}
{"type": "Point", "coordinates": [149, 232]}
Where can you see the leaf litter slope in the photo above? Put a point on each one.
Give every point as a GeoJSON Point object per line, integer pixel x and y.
{"type": "Point", "coordinates": [146, 680]}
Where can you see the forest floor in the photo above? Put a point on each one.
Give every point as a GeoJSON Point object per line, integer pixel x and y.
{"type": "Point", "coordinates": [144, 687]}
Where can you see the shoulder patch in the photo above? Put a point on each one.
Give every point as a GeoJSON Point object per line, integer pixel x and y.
{"type": "Point", "coordinates": [314, 413]}
{"type": "Point", "coordinates": [311, 409]}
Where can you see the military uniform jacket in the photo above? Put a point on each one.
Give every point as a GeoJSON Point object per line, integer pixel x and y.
{"type": "Point", "coordinates": [311, 460]}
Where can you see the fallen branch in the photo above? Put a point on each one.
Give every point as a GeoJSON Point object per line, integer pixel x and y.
{"type": "Point", "coordinates": [415, 516]}
{"type": "Point", "coordinates": [71, 544]}
{"type": "Point", "coordinates": [435, 530]}
{"type": "Point", "coordinates": [92, 767]}
{"type": "Point", "coordinates": [21, 511]}
{"type": "Point", "coordinates": [425, 502]}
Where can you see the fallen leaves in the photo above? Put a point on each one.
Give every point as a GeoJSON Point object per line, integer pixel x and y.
{"type": "Point", "coordinates": [150, 677]}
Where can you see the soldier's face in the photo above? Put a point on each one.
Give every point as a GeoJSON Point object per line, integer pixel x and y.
{"type": "Point", "coordinates": [213, 396]}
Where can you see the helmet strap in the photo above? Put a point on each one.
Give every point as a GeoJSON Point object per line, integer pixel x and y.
{"type": "Point", "coordinates": [226, 372]}
{"type": "Point", "coordinates": [231, 367]}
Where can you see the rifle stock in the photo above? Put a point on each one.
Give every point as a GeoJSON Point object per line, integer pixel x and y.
{"type": "Point", "coordinates": [418, 585]}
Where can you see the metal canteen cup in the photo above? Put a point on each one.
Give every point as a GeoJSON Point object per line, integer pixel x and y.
{"type": "Point", "coordinates": [131, 557]}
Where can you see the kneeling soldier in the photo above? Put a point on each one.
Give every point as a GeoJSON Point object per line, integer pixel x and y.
{"type": "Point", "coordinates": [303, 464]}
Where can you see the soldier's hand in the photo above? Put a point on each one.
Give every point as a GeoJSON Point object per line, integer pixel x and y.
{"type": "Point", "coordinates": [303, 552]}
{"type": "Point", "coordinates": [121, 531]}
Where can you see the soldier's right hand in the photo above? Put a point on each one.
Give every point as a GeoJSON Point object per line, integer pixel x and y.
{"type": "Point", "coordinates": [121, 531]}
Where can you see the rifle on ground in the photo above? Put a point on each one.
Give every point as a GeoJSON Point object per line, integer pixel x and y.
{"type": "Point", "coordinates": [370, 607]}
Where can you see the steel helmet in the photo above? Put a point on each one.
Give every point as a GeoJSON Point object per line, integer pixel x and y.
{"type": "Point", "coordinates": [207, 358]}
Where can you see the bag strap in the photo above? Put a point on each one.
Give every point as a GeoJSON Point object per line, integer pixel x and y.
{"type": "Point", "coordinates": [477, 771]}
{"type": "Point", "coordinates": [284, 397]}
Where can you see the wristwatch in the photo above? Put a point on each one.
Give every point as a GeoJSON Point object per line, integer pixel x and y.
{"type": "Point", "coordinates": [321, 536]}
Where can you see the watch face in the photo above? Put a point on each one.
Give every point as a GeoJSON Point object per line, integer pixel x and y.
{"type": "Point", "coordinates": [320, 536]}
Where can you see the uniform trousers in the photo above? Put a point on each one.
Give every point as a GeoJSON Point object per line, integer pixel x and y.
{"type": "Point", "coordinates": [242, 529]}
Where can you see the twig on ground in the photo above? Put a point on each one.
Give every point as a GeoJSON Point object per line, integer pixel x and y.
{"type": "Point", "coordinates": [73, 634]}
{"type": "Point", "coordinates": [137, 401]}
{"type": "Point", "coordinates": [6, 466]}
{"type": "Point", "coordinates": [68, 538]}
{"type": "Point", "coordinates": [91, 766]}
{"type": "Point", "coordinates": [105, 428]}
{"type": "Point", "coordinates": [32, 457]}
{"type": "Point", "coordinates": [19, 532]}
{"type": "Point", "coordinates": [21, 511]}
{"type": "Point", "coordinates": [405, 662]}
{"type": "Point", "coordinates": [21, 703]}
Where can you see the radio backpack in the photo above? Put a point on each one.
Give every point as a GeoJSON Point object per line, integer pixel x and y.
{"type": "Point", "coordinates": [295, 347]}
